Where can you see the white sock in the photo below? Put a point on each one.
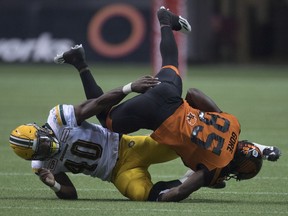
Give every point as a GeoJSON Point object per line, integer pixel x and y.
{"type": "Point", "coordinates": [261, 147]}
{"type": "Point", "coordinates": [186, 175]}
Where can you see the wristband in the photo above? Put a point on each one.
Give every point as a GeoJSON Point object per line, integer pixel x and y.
{"type": "Point", "coordinates": [127, 88]}
{"type": "Point", "coordinates": [56, 187]}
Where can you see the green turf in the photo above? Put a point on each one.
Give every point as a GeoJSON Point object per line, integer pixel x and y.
{"type": "Point", "coordinates": [257, 95]}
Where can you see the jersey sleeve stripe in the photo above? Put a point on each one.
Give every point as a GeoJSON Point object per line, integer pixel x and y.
{"type": "Point", "coordinates": [60, 115]}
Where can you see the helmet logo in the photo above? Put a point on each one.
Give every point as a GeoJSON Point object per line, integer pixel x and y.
{"type": "Point", "coordinates": [249, 150]}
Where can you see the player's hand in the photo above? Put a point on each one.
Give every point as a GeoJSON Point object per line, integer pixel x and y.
{"type": "Point", "coordinates": [142, 84]}
{"type": "Point", "coordinates": [46, 177]}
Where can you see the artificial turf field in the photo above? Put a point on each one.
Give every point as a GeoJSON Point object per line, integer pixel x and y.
{"type": "Point", "coordinates": [257, 95]}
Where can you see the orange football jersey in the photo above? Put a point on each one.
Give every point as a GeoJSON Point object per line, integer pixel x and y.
{"type": "Point", "coordinates": [198, 137]}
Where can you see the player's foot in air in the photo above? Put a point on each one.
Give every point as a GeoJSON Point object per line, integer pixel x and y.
{"type": "Point", "coordinates": [75, 56]}
{"type": "Point", "coordinates": [177, 23]}
{"type": "Point", "coordinates": [271, 153]}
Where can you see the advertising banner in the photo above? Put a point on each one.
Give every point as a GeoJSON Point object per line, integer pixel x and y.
{"type": "Point", "coordinates": [111, 31]}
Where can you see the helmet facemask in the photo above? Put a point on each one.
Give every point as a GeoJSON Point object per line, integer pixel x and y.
{"type": "Point", "coordinates": [45, 145]}
{"type": "Point", "coordinates": [32, 142]}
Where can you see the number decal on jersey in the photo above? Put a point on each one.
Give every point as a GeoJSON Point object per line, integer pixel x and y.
{"type": "Point", "coordinates": [212, 136]}
{"type": "Point", "coordinates": [84, 149]}
{"type": "Point", "coordinates": [75, 167]}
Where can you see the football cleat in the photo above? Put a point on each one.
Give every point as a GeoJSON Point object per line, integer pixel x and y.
{"type": "Point", "coordinates": [32, 142]}
{"type": "Point", "coordinates": [73, 56]}
{"type": "Point", "coordinates": [271, 153]}
{"type": "Point", "coordinates": [177, 23]}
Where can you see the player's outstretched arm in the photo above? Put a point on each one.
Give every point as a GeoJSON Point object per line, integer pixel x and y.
{"type": "Point", "coordinates": [59, 183]}
{"type": "Point", "coordinates": [106, 101]}
{"type": "Point", "coordinates": [197, 99]}
{"type": "Point", "coordinates": [181, 192]}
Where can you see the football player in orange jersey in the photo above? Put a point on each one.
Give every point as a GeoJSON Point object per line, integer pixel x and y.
{"type": "Point", "coordinates": [195, 128]}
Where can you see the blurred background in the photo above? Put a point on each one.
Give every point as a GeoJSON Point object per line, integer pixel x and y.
{"type": "Point", "coordinates": [229, 31]}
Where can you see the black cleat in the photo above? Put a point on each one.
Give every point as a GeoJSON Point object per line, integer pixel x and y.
{"type": "Point", "coordinates": [74, 56]}
{"type": "Point", "coordinates": [271, 153]}
{"type": "Point", "coordinates": [177, 23]}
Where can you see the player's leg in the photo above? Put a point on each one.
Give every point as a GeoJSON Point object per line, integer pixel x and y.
{"type": "Point", "coordinates": [152, 152]}
{"type": "Point", "coordinates": [168, 47]}
{"type": "Point", "coordinates": [130, 174]}
{"type": "Point", "coordinates": [149, 110]}
{"type": "Point", "coordinates": [136, 154]}
{"type": "Point", "coordinates": [134, 184]}
{"type": "Point", "coordinates": [76, 57]}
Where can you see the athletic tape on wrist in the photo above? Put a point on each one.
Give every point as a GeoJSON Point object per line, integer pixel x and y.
{"type": "Point", "coordinates": [56, 187]}
{"type": "Point", "coordinates": [127, 88]}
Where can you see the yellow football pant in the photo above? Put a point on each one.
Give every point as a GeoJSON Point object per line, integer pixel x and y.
{"type": "Point", "coordinates": [136, 154]}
